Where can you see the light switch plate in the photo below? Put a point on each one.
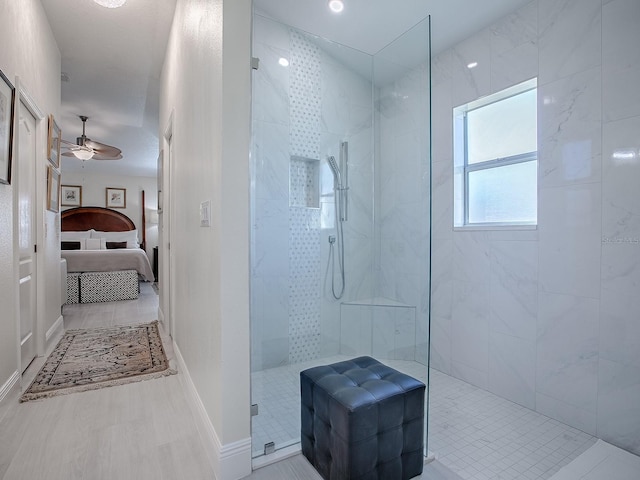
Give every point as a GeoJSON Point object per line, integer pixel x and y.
{"type": "Point", "coordinates": [205, 213]}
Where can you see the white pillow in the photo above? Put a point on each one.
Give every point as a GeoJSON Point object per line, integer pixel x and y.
{"type": "Point", "coordinates": [133, 244]}
{"type": "Point", "coordinates": [75, 236]}
{"type": "Point", "coordinates": [129, 236]}
{"type": "Point", "coordinates": [94, 244]}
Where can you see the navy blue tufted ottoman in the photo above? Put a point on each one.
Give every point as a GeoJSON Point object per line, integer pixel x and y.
{"type": "Point", "coordinates": [362, 420]}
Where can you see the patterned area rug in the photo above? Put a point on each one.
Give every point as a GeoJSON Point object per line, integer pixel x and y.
{"type": "Point", "coordinates": [95, 358]}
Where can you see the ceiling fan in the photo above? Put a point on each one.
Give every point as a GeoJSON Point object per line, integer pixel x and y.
{"type": "Point", "coordinates": [87, 149]}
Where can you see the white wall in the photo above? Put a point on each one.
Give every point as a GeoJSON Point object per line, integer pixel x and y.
{"type": "Point", "coordinates": [206, 87]}
{"type": "Point", "coordinates": [30, 52]}
{"type": "Point", "coordinates": [94, 195]}
{"type": "Point", "coordinates": [549, 318]}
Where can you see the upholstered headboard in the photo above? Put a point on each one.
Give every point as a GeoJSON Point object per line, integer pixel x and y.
{"type": "Point", "coordinates": [98, 218]}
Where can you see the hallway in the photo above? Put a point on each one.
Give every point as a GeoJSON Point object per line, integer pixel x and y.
{"type": "Point", "coordinates": [142, 430]}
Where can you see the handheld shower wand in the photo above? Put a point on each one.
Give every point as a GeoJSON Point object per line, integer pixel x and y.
{"type": "Point", "coordinates": [336, 170]}
{"type": "Point", "coordinates": [339, 187]}
{"type": "Point", "coordinates": [344, 162]}
{"type": "Point", "coordinates": [340, 210]}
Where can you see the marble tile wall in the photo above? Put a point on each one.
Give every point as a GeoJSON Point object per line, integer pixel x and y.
{"type": "Point", "coordinates": [550, 318]}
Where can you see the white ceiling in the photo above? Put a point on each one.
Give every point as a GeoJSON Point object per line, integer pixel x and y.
{"type": "Point", "coordinates": [113, 57]}
{"type": "Point", "coordinates": [370, 25]}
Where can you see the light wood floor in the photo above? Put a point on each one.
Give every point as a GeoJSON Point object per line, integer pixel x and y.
{"type": "Point", "coordinates": [139, 431]}
{"type": "Point", "coordinates": [143, 430]}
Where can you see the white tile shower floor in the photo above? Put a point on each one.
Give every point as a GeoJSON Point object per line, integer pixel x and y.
{"type": "Point", "coordinates": [475, 433]}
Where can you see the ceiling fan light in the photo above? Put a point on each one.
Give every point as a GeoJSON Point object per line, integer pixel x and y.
{"type": "Point", "coordinates": [110, 3]}
{"type": "Point", "coordinates": [83, 154]}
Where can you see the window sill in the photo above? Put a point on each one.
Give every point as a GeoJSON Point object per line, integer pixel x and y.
{"type": "Point", "coordinates": [497, 227]}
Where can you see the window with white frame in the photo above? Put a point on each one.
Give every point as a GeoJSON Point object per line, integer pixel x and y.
{"type": "Point", "coordinates": [496, 159]}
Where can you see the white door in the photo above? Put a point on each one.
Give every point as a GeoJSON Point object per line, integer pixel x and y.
{"type": "Point", "coordinates": [26, 235]}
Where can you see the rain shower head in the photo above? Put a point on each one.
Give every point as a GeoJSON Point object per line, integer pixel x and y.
{"type": "Point", "coordinates": [335, 169]}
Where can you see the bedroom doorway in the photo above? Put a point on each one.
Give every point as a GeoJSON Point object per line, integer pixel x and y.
{"type": "Point", "coordinates": [26, 234]}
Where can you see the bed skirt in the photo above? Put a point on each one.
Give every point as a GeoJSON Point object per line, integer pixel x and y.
{"type": "Point", "coordinates": [96, 287]}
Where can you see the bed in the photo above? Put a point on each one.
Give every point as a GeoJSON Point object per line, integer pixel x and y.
{"type": "Point", "coordinates": [104, 259]}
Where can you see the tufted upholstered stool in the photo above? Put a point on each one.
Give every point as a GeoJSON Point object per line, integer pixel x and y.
{"type": "Point", "coordinates": [362, 420]}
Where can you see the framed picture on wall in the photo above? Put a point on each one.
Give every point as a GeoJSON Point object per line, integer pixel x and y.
{"type": "Point", "coordinates": [116, 197]}
{"type": "Point", "coordinates": [7, 109]}
{"type": "Point", "coordinates": [53, 142]}
{"type": "Point", "coordinates": [53, 189]}
{"type": "Point", "coordinates": [71, 195]}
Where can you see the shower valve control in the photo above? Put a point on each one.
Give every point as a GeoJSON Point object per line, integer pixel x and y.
{"type": "Point", "coordinates": [332, 239]}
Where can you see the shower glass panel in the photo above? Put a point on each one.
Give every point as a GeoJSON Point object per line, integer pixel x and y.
{"type": "Point", "coordinates": [402, 79]}
{"type": "Point", "coordinates": [327, 269]}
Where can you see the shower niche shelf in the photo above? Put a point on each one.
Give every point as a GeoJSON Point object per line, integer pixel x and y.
{"type": "Point", "coordinates": [304, 182]}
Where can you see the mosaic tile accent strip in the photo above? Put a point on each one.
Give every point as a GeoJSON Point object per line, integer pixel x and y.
{"type": "Point", "coordinates": [304, 223]}
{"type": "Point", "coordinates": [304, 284]}
{"type": "Point", "coordinates": [305, 97]}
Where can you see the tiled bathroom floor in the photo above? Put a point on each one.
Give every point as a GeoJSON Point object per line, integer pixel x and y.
{"type": "Point", "coordinates": [475, 433]}
{"type": "Point", "coordinates": [602, 460]}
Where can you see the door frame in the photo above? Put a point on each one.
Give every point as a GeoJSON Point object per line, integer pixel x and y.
{"type": "Point", "coordinates": [168, 272]}
{"type": "Point", "coordinates": [23, 96]}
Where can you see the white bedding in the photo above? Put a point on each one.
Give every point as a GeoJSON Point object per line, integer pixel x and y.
{"type": "Point", "coordinates": [109, 260]}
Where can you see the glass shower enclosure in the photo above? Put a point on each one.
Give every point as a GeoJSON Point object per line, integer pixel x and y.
{"type": "Point", "coordinates": [340, 214]}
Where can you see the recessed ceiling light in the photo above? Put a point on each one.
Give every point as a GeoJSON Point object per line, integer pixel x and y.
{"type": "Point", "coordinates": [110, 3]}
{"type": "Point", "coordinates": [336, 5]}
{"type": "Point", "coordinates": [472, 65]}
{"type": "Point", "coordinates": [283, 62]}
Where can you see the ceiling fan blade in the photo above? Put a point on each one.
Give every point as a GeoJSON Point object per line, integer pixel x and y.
{"type": "Point", "coordinates": [98, 151]}
{"type": "Point", "coordinates": [98, 156]}
{"type": "Point", "coordinates": [103, 150]}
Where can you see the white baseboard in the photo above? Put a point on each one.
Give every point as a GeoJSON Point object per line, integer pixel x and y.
{"type": "Point", "coordinates": [56, 328]}
{"type": "Point", "coordinates": [235, 459]}
{"type": "Point", "coordinates": [229, 462]}
{"type": "Point", "coordinates": [9, 384]}
{"type": "Point", "coordinates": [9, 394]}
{"type": "Point", "coordinates": [161, 319]}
